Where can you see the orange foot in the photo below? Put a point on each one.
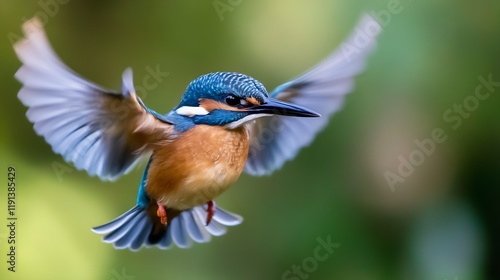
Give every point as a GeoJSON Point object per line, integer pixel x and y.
{"type": "Point", "coordinates": [162, 213]}
{"type": "Point", "coordinates": [210, 211]}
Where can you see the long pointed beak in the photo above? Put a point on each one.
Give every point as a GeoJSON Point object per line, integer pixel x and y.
{"type": "Point", "coordinates": [276, 107]}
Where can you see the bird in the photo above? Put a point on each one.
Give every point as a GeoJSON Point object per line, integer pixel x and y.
{"type": "Point", "coordinates": [226, 123]}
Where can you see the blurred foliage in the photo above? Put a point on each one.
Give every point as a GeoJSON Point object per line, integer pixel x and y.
{"type": "Point", "coordinates": [440, 223]}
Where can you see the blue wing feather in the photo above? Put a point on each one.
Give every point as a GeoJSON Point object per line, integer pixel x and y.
{"type": "Point", "coordinates": [99, 130]}
{"type": "Point", "coordinates": [277, 139]}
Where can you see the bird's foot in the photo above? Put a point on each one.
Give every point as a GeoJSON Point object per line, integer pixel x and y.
{"type": "Point", "coordinates": [210, 211]}
{"type": "Point", "coordinates": [162, 213]}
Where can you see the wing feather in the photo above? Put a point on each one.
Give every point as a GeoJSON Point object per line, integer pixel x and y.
{"type": "Point", "coordinates": [101, 131]}
{"type": "Point", "coordinates": [276, 139]}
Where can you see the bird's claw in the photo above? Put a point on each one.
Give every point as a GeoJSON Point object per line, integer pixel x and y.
{"type": "Point", "coordinates": [162, 213]}
{"type": "Point", "coordinates": [210, 211]}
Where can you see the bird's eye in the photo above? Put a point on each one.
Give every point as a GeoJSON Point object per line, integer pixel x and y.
{"type": "Point", "coordinates": [232, 100]}
{"type": "Point", "coordinates": [235, 101]}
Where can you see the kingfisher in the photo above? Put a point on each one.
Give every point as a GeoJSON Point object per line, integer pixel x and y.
{"type": "Point", "coordinates": [225, 123]}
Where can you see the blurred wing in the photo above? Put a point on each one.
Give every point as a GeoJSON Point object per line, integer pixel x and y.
{"type": "Point", "coordinates": [100, 131]}
{"type": "Point", "coordinates": [277, 139]}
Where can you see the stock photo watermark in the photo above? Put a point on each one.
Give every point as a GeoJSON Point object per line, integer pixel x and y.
{"type": "Point", "coordinates": [123, 275]}
{"type": "Point", "coordinates": [454, 117]}
{"type": "Point", "coordinates": [311, 263]}
{"type": "Point", "coordinates": [151, 81]}
{"type": "Point", "coordinates": [365, 34]}
{"type": "Point", "coordinates": [223, 6]}
{"type": "Point", "coordinates": [11, 221]}
{"type": "Point", "coordinates": [48, 9]}
{"type": "Point", "coordinates": [384, 16]}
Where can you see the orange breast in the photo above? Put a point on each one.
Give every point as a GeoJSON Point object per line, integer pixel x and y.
{"type": "Point", "coordinates": [197, 166]}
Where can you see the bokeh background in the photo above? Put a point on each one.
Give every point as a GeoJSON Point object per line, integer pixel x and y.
{"type": "Point", "coordinates": [441, 222]}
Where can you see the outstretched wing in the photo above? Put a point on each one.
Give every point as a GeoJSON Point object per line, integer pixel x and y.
{"type": "Point", "coordinates": [101, 131]}
{"type": "Point", "coordinates": [277, 139]}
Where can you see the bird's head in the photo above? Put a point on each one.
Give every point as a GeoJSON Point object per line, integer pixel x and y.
{"type": "Point", "coordinates": [232, 99]}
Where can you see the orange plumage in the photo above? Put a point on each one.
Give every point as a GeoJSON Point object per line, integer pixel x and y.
{"type": "Point", "coordinates": [194, 168]}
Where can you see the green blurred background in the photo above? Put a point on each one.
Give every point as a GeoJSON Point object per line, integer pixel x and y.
{"type": "Point", "coordinates": [440, 223]}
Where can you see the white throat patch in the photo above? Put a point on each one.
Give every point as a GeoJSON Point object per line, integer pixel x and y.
{"type": "Point", "coordinates": [235, 124]}
{"type": "Point", "coordinates": [192, 111]}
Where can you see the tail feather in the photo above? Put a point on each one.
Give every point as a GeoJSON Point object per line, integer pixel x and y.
{"type": "Point", "coordinates": [214, 228]}
{"type": "Point", "coordinates": [227, 218]}
{"type": "Point", "coordinates": [165, 242]}
{"type": "Point", "coordinates": [179, 233]}
{"type": "Point", "coordinates": [194, 228]}
{"type": "Point", "coordinates": [116, 223]}
{"type": "Point", "coordinates": [142, 236]}
{"type": "Point", "coordinates": [131, 235]}
{"type": "Point", "coordinates": [125, 229]}
{"type": "Point", "coordinates": [134, 228]}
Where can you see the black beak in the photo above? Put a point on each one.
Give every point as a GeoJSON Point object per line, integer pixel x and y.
{"type": "Point", "coordinates": [276, 107]}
